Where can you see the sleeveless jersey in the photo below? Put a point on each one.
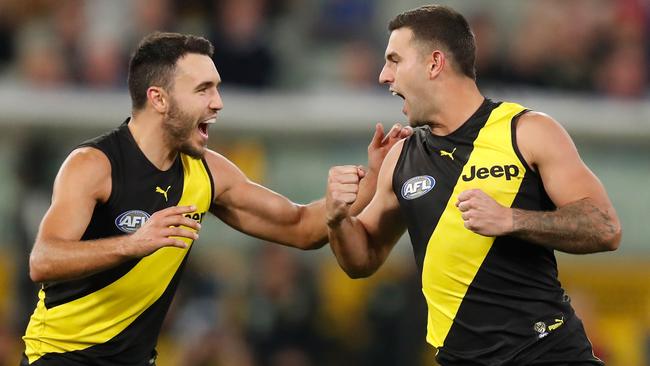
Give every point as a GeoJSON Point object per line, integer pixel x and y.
{"type": "Point", "coordinates": [113, 317]}
{"type": "Point", "coordinates": [490, 300]}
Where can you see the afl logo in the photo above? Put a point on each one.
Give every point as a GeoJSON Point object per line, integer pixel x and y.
{"type": "Point", "coordinates": [130, 221]}
{"type": "Point", "coordinates": [417, 187]}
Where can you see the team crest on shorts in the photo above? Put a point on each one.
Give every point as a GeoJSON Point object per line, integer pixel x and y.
{"type": "Point", "coordinates": [132, 220]}
{"type": "Point", "coordinates": [417, 186]}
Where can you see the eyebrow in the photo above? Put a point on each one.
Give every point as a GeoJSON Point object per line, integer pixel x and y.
{"type": "Point", "coordinates": [391, 56]}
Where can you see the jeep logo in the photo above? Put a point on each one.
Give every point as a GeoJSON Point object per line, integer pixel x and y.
{"type": "Point", "coordinates": [198, 217]}
{"type": "Point", "coordinates": [495, 171]}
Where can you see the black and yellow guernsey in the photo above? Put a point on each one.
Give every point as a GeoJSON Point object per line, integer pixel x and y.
{"type": "Point", "coordinates": [114, 317]}
{"type": "Point", "coordinates": [491, 301]}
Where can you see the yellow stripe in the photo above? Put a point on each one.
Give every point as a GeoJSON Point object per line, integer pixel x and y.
{"type": "Point", "coordinates": [103, 314]}
{"type": "Point", "coordinates": [454, 254]}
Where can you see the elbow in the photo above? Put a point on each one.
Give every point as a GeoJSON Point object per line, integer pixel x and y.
{"type": "Point", "coordinates": [39, 266]}
{"type": "Point", "coordinates": [357, 272]}
{"type": "Point", "coordinates": [37, 272]}
{"type": "Point", "coordinates": [305, 245]}
{"type": "Point", "coordinates": [612, 241]}
{"type": "Point", "coordinates": [311, 245]}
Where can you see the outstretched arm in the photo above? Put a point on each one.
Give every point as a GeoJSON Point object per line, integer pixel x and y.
{"type": "Point", "coordinates": [260, 212]}
{"type": "Point", "coordinates": [362, 244]}
{"type": "Point", "coordinates": [585, 220]}
{"type": "Point", "coordinates": [84, 181]}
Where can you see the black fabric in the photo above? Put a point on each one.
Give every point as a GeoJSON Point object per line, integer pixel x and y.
{"type": "Point", "coordinates": [415, 160]}
{"type": "Point", "coordinates": [134, 180]}
{"type": "Point", "coordinates": [137, 185]}
{"type": "Point", "coordinates": [515, 291]}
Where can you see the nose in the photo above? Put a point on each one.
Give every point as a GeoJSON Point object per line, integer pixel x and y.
{"type": "Point", "coordinates": [386, 75]}
{"type": "Point", "coordinates": [216, 104]}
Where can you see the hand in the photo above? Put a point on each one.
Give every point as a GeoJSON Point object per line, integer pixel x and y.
{"type": "Point", "coordinates": [342, 189]}
{"type": "Point", "coordinates": [162, 230]}
{"type": "Point", "coordinates": [483, 215]}
{"type": "Point", "coordinates": [381, 144]}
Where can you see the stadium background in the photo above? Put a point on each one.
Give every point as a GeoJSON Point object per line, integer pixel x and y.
{"type": "Point", "coordinates": [300, 95]}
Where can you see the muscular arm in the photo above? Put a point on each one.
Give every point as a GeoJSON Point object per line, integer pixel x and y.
{"type": "Point", "coordinates": [260, 212]}
{"type": "Point", "coordinates": [362, 244]}
{"type": "Point", "coordinates": [585, 220]}
{"type": "Point", "coordinates": [83, 182]}
{"type": "Point", "coordinates": [579, 227]}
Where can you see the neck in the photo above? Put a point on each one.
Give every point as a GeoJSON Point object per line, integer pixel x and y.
{"type": "Point", "coordinates": [455, 103]}
{"type": "Point", "coordinates": [148, 133]}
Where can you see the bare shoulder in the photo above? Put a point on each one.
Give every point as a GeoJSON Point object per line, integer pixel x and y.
{"type": "Point", "coordinates": [538, 125]}
{"type": "Point", "coordinates": [393, 155]}
{"type": "Point", "coordinates": [385, 178]}
{"type": "Point", "coordinates": [86, 169]}
{"type": "Point", "coordinates": [89, 155]}
{"type": "Point", "coordinates": [540, 135]}
{"type": "Point", "coordinates": [219, 165]}
{"type": "Point", "coordinates": [90, 161]}
{"type": "Point", "coordinates": [224, 172]}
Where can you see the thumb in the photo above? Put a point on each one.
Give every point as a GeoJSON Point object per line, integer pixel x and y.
{"type": "Point", "coordinates": [361, 171]}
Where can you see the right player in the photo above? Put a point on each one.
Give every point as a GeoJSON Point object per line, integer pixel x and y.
{"type": "Point", "coordinates": [487, 190]}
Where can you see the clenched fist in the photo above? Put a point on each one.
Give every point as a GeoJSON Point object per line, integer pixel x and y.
{"type": "Point", "coordinates": [342, 190]}
{"type": "Point", "coordinates": [483, 215]}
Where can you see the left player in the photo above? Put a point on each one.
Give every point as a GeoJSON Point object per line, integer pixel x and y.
{"type": "Point", "coordinates": [127, 206]}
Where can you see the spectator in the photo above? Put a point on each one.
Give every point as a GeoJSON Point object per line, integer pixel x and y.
{"type": "Point", "coordinates": [282, 310]}
{"type": "Point", "coordinates": [41, 61]}
{"type": "Point", "coordinates": [242, 54]}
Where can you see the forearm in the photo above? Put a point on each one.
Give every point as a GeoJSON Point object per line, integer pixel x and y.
{"type": "Point", "coordinates": [580, 227]}
{"type": "Point", "coordinates": [350, 244]}
{"type": "Point", "coordinates": [314, 233]}
{"type": "Point", "coordinates": [367, 189]}
{"type": "Point", "coordinates": [56, 260]}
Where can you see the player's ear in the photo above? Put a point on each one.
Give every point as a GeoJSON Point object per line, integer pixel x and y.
{"type": "Point", "coordinates": [437, 63]}
{"type": "Point", "coordinates": [158, 98]}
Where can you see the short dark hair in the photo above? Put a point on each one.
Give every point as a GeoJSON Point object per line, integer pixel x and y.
{"type": "Point", "coordinates": [441, 26]}
{"type": "Point", "coordinates": [154, 61]}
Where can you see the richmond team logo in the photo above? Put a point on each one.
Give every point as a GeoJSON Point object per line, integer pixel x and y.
{"type": "Point", "coordinates": [417, 187]}
{"type": "Point", "coordinates": [132, 220]}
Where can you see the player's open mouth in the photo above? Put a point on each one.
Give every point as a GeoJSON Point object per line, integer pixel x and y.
{"type": "Point", "coordinates": [397, 94]}
{"type": "Point", "coordinates": [203, 126]}
{"type": "Point", "coordinates": [403, 98]}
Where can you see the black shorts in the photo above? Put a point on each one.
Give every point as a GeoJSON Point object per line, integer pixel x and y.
{"type": "Point", "coordinates": [25, 362]}
{"type": "Point", "coordinates": [571, 348]}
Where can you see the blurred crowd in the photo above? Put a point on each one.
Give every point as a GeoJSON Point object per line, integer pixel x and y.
{"type": "Point", "coordinates": [596, 46]}
{"type": "Point", "coordinates": [266, 305]}
{"type": "Point", "coordinates": [592, 46]}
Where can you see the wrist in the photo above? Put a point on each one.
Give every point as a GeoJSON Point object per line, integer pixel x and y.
{"type": "Point", "coordinates": [506, 227]}
{"type": "Point", "coordinates": [515, 216]}
{"type": "Point", "coordinates": [122, 248]}
{"type": "Point", "coordinates": [373, 169]}
{"type": "Point", "coordinates": [334, 222]}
